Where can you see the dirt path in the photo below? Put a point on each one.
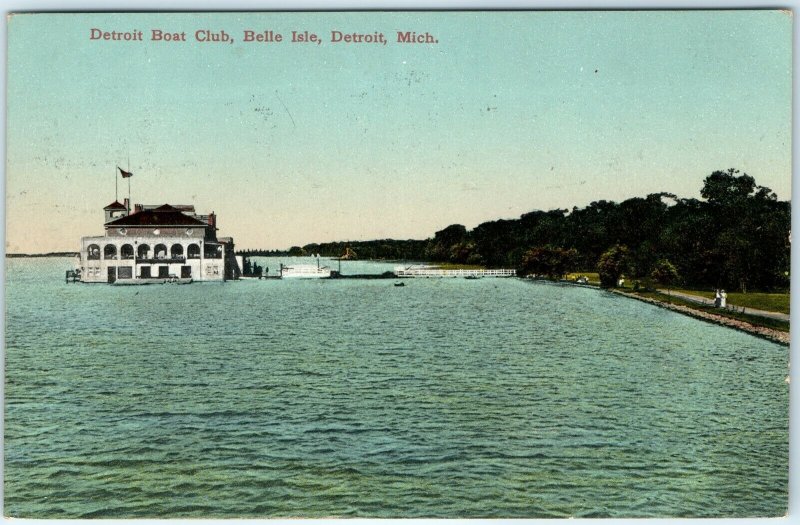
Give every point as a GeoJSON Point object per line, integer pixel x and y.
{"type": "Point", "coordinates": [760, 331]}
{"type": "Point", "coordinates": [740, 309]}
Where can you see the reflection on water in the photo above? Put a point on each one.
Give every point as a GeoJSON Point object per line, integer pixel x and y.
{"type": "Point", "coordinates": [445, 398]}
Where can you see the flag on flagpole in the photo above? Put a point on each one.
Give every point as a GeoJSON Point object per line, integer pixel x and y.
{"type": "Point", "coordinates": [125, 174]}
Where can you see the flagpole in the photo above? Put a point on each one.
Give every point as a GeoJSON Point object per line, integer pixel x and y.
{"type": "Point", "coordinates": [129, 180]}
{"type": "Point", "coordinates": [116, 187]}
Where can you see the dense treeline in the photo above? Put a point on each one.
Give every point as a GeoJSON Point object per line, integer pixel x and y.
{"type": "Point", "coordinates": [737, 237]}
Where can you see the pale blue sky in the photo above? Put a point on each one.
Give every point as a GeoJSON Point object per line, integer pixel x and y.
{"type": "Point", "coordinates": [293, 143]}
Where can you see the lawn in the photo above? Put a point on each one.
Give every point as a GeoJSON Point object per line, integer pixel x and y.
{"type": "Point", "coordinates": [458, 266]}
{"type": "Point", "coordinates": [771, 302]}
{"type": "Point", "coordinates": [752, 319]}
{"type": "Point", "coordinates": [594, 277]}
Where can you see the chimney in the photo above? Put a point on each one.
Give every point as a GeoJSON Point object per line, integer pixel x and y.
{"type": "Point", "coordinates": [127, 204]}
{"type": "Point", "coordinates": [137, 208]}
{"type": "Point", "coordinates": [212, 220]}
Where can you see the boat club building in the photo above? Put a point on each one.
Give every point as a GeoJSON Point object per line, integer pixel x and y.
{"type": "Point", "coordinates": [156, 243]}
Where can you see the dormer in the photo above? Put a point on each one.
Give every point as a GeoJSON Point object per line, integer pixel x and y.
{"type": "Point", "coordinates": [114, 211]}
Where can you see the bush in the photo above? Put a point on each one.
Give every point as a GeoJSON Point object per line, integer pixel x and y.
{"type": "Point", "coordinates": [612, 264]}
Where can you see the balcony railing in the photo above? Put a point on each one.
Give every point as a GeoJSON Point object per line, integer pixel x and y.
{"type": "Point", "coordinates": [160, 260]}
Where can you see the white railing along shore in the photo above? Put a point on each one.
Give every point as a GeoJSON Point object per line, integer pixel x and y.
{"type": "Point", "coordinates": [412, 271]}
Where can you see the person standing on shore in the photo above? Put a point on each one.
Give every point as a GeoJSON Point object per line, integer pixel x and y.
{"type": "Point", "coordinates": [723, 299]}
{"type": "Point", "coordinates": [717, 299]}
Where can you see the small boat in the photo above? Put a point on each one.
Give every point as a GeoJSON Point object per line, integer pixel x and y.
{"type": "Point", "coordinates": [399, 284]}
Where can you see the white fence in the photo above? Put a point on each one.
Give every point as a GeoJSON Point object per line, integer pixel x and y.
{"type": "Point", "coordinates": [432, 271]}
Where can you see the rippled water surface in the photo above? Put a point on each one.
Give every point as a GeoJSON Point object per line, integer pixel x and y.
{"type": "Point", "coordinates": [445, 398]}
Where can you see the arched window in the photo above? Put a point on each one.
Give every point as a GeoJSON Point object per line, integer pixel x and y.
{"type": "Point", "coordinates": [110, 251]}
{"type": "Point", "coordinates": [126, 251]}
{"type": "Point", "coordinates": [193, 251]}
{"type": "Point", "coordinates": [93, 252]}
{"type": "Point", "coordinates": [144, 251]}
{"type": "Point", "coordinates": [161, 251]}
{"type": "Point", "coordinates": [176, 250]}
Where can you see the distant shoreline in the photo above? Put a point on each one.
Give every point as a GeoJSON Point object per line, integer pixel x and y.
{"type": "Point", "coordinates": [771, 334]}
{"type": "Point", "coordinates": [35, 255]}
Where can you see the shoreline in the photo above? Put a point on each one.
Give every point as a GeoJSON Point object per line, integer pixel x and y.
{"type": "Point", "coordinates": [771, 334]}
{"type": "Point", "coordinates": [40, 255]}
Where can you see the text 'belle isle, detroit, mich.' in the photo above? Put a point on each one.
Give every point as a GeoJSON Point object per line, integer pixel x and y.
{"type": "Point", "coordinates": [261, 37]}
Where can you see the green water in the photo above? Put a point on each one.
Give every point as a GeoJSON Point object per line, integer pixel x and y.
{"type": "Point", "coordinates": [443, 398]}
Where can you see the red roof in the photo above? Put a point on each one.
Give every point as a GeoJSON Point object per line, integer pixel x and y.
{"type": "Point", "coordinates": [165, 215]}
{"type": "Point", "coordinates": [115, 206]}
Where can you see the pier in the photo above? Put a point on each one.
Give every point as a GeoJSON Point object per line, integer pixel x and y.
{"type": "Point", "coordinates": [432, 271]}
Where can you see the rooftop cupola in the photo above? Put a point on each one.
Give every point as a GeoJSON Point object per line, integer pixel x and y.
{"type": "Point", "coordinates": [114, 211]}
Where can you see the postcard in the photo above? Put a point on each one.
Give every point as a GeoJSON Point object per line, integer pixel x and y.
{"type": "Point", "coordinates": [400, 264]}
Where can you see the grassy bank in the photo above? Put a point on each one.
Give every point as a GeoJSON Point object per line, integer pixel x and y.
{"type": "Point", "coordinates": [594, 277]}
{"type": "Point", "coordinates": [771, 302]}
{"type": "Point", "coordinates": [458, 266]}
{"type": "Point", "coordinates": [765, 322]}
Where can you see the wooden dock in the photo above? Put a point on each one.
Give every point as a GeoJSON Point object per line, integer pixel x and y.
{"type": "Point", "coordinates": [429, 271]}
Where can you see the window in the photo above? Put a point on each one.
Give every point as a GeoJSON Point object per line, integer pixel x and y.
{"type": "Point", "coordinates": [127, 251]}
{"type": "Point", "coordinates": [93, 252]}
{"type": "Point", "coordinates": [163, 271]}
{"type": "Point", "coordinates": [193, 251]}
{"type": "Point", "coordinates": [110, 252]}
{"type": "Point", "coordinates": [186, 271]}
{"type": "Point", "coordinates": [144, 251]}
{"type": "Point", "coordinates": [125, 272]}
{"type": "Point", "coordinates": [176, 250]}
{"type": "Point", "coordinates": [212, 251]}
{"type": "Point", "coordinates": [145, 272]}
{"type": "Point", "coordinates": [161, 251]}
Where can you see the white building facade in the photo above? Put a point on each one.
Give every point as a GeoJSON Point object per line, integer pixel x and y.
{"type": "Point", "coordinates": [157, 243]}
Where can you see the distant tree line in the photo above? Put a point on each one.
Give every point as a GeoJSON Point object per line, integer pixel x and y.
{"type": "Point", "coordinates": [48, 254]}
{"type": "Point", "coordinates": [263, 253]}
{"type": "Point", "coordinates": [736, 237]}
{"type": "Point", "coordinates": [386, 249]}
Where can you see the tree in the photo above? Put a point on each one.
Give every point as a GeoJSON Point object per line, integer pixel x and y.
{"type": "Point", "coordinates": [442, 246]}
{"type": "Point", "coordinates": [497, 243]}
{"type": "Point", "coordinates": [665, 273]}
{"type": "Point", "coordinates": [726, 188]}
{"type": "Point", "coordinates": [747, 227]}
{"type": "Point", "coordinates": [612, 264]}
{"type": "Point", "coordinates": [548, 261]}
